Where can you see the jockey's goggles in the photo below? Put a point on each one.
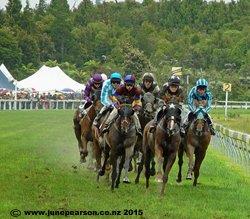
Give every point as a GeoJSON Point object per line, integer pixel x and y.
{"type": "Point", "coordinates": [116, 81]}
{"type": "Point", "coordinates": [202, 87]}
{"type": "Point", "coordinates": [148, 80]}
{"type": "Point", "coordinates": [129, 84]}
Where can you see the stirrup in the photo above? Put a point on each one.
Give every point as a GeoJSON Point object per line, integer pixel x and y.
{"type": "Point", "coordinates": [105, 129]}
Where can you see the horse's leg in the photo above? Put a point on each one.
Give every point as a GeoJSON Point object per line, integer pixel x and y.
{"type": "Point", "coordinates": [97, 153]}
{"type": "Point", "coordinates": [147, 166]}
{"type": "Point", "coordinates": [152, 169]}
{"type": "Point", "coordinates": [114, 169]}
{"type": "Point", "coordinates": [160, 159]}
{"type": "Point", "coordinates": [106, 157]}
{"type": "Point", "coordinates": [190, 153]}
{"type": "Point", "coordinates": [77, 130]}
{"type": "Point", "coordinates": [128, 155]}
{"type": "Point", "coordinates": [119, 170]}
{"type": "Point", "coordinates": [140, 167]}
{"type": "Point", "coordinates": [169, 163]}
{"type": "Point", "coordinates": [199, 156]}
{"type": "Point", "coordinates": [84, 149]}
{"type": "Point", "coordinates": [180, 161]}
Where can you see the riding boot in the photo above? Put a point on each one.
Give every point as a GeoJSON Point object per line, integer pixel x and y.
{"type": "Point", "coordinates": [210, 125]}
{"type": "Point", "coordinates": [97, 119]}
{"type": "Point", "coordinates": [153, 126]}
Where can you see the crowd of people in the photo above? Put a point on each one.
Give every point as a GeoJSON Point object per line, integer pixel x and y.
{"type": "Point", "coordinates": [37, 96]}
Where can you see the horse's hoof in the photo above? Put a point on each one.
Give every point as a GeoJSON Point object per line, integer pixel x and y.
{"type": "Point", "coordinates": [126, 180]}
{"type": "Point", "coordinates": [82, 160]}
{"type": "Point", "coordinates": [189, 177]}
{"type": "Point", "coordinates": [178, 180]}
{"type": "Point", "coordinates": [159, 179]}
{"type": "Point", "coordinates": [101, 172]}
{"type": "Point", "coordinates": [152, 172]}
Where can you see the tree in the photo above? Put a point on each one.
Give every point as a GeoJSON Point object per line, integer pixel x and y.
{"type": "Point", "coordinates": [60, 29]}
{"type": "Point", "coordinates": [27, 19]}
{"type": "Point", "coordinates": [41, 9]}
{"type": "Point", "coordinates": [10, 54]}
{"type": "Point", "coordinates": [13, 10]}
{"type": "Point", "coordinates": [134, 61]}
{"type": "Point", "coordinates": [29, 47]}
{"type": "Point", "coordinates": [84, 14]}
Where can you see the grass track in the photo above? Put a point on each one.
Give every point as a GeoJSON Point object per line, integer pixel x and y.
{"type": "Point", "coordinates": [38, 150]}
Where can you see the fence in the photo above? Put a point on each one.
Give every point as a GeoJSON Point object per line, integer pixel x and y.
{"type": "Point", "coordinates": [232, 104]}
{"type": "Point", "coordinates": [234, 144]}
{"type": "Point", "coordinates": [35, 104]}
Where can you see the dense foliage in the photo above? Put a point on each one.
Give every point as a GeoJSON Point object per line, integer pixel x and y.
{"type": "Point", "coordinates": [209, 39]}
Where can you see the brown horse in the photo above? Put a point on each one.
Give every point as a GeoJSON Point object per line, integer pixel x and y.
{"type": "Point", "coordinates": [163, 143]}
{"type": "Point", "coordinates": [83, 130]}
{"type": "Point", "coordinates": [120, 140]}
{"type": "Point", "coordinates": [99, 142]}
{"type": "Point", "coordinates": [195, 142]}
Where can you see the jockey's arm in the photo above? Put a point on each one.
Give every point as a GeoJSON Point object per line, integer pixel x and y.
{"type": "Point", "coordinates": [209, 102]}
{"type": "Point", "coordinates": [105, 99]}
{"type": "Point", "coordinates": [87, 91]}
{"type": "Point", "coordinates": [191, 104]}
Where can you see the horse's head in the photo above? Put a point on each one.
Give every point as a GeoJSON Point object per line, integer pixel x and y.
{"type": "Point", "coordinates": [199, 123]}
{"type": "Point", "coordinates": [96, 97]}
{"type": "Point", "coordinates": [172, 118]}
{"type": "Point", "coordinates": [148, 102]}
{"type": "Point", "coordinates": [125, 113]}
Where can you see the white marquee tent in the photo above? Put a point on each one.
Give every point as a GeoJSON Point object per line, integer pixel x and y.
{"type": "Point", "coordinates": [50, 79]}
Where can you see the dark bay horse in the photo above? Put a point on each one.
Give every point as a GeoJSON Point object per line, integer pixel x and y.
{"type": "Point", "coordinates": [163, 143]}
{"type": "Point", "coordinates": [195, 142]}
{"type": "Point", "coordinates": [146, 114]}
{"type": "Point", "coordinates": [120, 140]}
{"type": "Point", "coordinates": [83, 133]}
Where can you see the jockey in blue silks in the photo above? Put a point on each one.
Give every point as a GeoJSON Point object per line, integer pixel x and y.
{"type": "Point", "coordinates": [108, 90]}
{"type": "Point", "coordinates": [198, 96]}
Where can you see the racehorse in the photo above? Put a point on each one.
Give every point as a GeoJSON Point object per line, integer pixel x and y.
{"type": "Point", "coordinates": [83, 124]}
{"type": "Point", "coordinates": [195, 142]}
{"type": "Point", "coordinates": [163, 143]}
{"type": "Point", "coordinates": [120, 140]}
{"type": "Point", "coordinates": [146, 114]}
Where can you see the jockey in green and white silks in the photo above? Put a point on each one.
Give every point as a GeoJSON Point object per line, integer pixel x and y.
{"type": "Point", "coordinates": [108, 90]}
{"type": "Point", "coordinates": [199, 95]}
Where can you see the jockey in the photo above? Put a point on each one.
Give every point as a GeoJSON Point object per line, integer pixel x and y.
{"type": "Point", "coordinates": [171, 92]}
{"type": "Point", "coordinates": [108, 90]}
{"type": "Point", "coordinates": [149, 84]}
{"type": "Point", "coordinates": [133, 94]}
{"type": "Point", "coordinates": [199, 95]}
{"type": "Point", "coordinates": [94, 84]}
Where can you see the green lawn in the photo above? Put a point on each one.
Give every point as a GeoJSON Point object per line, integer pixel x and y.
{"type": "Point", "coordinates": [38, 150]}
{"type": "Point", "coordinates": [238, 119]}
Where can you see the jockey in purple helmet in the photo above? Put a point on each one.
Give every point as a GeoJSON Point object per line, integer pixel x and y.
{"type": "Point", "coordinates": [94, 84]}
